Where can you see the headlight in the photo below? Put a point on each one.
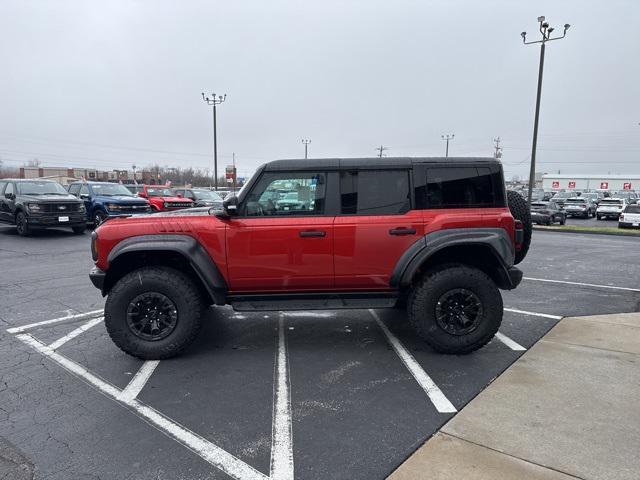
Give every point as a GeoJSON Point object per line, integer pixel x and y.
{"type": "Point", "coordinates": [166, 204]}
{"type": "Point", "coordinates": [34, 207]}
{"type": "Point", "coordinates": [81, 208]}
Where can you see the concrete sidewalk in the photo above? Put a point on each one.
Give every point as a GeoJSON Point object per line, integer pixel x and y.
{"type": "Point", "coordinates": [568, 408]}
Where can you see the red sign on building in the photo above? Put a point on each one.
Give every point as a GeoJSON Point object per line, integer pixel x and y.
{"type": "Point", "coordinates": [572, 184]}
{"type": "Point", "coordinates": [555, 184]}
{"type": "Point", "coordinates": [604, 185]}
{"type": "Point", "coordinates": [627, 186]}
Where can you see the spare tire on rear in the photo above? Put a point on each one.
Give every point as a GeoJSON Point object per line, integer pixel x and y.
{"type": "Point", "coordinates": [520, 210]}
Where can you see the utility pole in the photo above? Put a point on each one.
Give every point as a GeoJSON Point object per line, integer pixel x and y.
{"type": "Point", "coordinates": [498, 148]}
{"type": "Point", "coordinates": [545, 31]}
{"type": "Point", "coordinates": [306, 143]}
{"type": "Point", "coordinates": [380, 150]}
{"type": "Point", "coordinates": [214, 102]}
{"type": "Point", "coordinates": [135, 182]}
{"type": "Point", "coordinates": [447, 137]}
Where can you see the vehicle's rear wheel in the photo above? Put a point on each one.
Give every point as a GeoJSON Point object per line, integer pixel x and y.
{"type": "Point", "coordinates": [153, 312]}
{"type": "Point", "coordinates": [98, 218]}
{"type": "Point", "coordinates": [520, 210]}
{"type": "Point", "coordinates": [563, 220]}
{"type": "Point", "coordinates": [79, 230]}
{"type": "Point", "coordinates": [455, 309]}
{"type": "Point", "coordinates": [22, 225]}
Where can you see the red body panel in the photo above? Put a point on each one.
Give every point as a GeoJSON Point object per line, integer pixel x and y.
{"type": "Point", "coordinates": [365, 251]}
{"type": "Point", "coordinates": [269, 254]}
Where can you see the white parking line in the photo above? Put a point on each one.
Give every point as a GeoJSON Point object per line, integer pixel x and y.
{"type": "Point", "coordinates": [282, 437]}
{"type": "Point", "coordinates": [78, 316]}
{"type": "Point", "coordinates": [513, 345]}
{"type": "Point", "coordinates": [611, 287]}
{"type": "Point", "coordinates": [74, 333]}
{"type": "Point", "coordinates": [534, 314]}
{"type": "Point", "coordinates": [216, 456]}
{"type": "Point", "coordinates": [442, 403]}
{"type": "Point", "coordinates": [138, 382]}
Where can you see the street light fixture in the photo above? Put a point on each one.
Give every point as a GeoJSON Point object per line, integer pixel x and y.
{"type": "Point", "coordinates": [545, 31]}
{"type": "Point", "coordinates": [214, 102]}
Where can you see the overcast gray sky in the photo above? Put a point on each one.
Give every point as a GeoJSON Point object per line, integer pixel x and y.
{"type": "Point", "coordinates": [110, 84]}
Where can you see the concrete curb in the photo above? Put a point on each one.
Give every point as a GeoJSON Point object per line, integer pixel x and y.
{"type": "Point", "coordinates": [586, 232]}
{"type": "Point", "coordinates": [566, 409]}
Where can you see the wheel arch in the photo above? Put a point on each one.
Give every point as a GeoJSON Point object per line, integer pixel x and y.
{"type": "Point", "coordinates": [488, 249]}
{"type": "Point", "coordinates": [178, 251]}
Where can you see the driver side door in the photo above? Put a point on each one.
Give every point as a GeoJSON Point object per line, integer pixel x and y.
{"type": "Point", "coordinates": [277, 244]}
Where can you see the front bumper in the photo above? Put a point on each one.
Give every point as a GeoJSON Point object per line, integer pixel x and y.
{"type": "Point", "coordinates": [97, 277]}
{"type": "Point", "coordinates": [44, 221]}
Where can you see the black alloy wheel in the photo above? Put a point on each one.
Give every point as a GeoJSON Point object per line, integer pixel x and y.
{"type": "Point", "coordinates": [21, 224]}
{"type": "Point", "coordinates": [152, 316]}
{"type": "Point", "coordinates": [458, 311]}
{"type": "Point", "coordinates": [98, 218]}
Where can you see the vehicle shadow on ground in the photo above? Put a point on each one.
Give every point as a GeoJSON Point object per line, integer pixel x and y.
{"type": "Point", "coordinates": [10, 231]}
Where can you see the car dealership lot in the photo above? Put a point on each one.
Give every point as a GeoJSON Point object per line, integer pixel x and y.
{"type": "Point", "coordinates": [336, 394]}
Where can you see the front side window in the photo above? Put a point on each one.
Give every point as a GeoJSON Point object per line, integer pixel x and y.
{"type": "Point", "coordinates": [74, 189]}
{"type": "Point", "coordinates": [9, 190]}
{"type": "Point", "coordinates": [464, 187]}
{"type": "Point", "coordinates": [286, 194]}
{"type": "Point", "coordinates": [375, 192]}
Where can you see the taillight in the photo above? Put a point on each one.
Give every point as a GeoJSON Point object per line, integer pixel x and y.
{"type": "Point", "coordinates": [622, 216]}
{"type": "Point", "coordinates": [519, 235]}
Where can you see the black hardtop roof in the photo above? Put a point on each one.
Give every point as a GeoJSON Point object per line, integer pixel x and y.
{"type": "Point", "coordinates": [370, 163]}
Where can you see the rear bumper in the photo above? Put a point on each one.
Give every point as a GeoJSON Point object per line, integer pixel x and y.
{"type": "Point", "coordinates": [540, 217]}
{"type": "Point", "coordinates": [97, 277]}
{"type": "Point", "coordinates": [628, 224]}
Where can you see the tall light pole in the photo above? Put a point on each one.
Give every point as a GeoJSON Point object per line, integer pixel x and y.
{"type": "Point", "coordinates": [447, 137]}
{"type": "Point", "coordinates": [215, 101]}
{"type": "Point", "coordinates": [306, 143]}
{"type": "Point", "coordinates": [545, 31]}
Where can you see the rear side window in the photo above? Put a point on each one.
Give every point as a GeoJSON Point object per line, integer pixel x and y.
{"type": "Point", "coordinates": [74, 189]}
{"type": "Point", "coordinates": [375, 192]}
{"type": "Point", "coordinates": [464, 187]}
{"type": "Point", "coordinates": [9, 189]}
{"type": "Point", "coordinates": [632, 209]}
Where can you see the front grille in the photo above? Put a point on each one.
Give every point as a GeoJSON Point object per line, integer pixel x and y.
{"type": "Point", "coordinates": [131, 209]}
{"type": "Point", "coordinates": [60, 208]}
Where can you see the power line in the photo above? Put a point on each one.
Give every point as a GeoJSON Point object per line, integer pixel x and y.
{"type": "Point", "coordinates": [381, 149]}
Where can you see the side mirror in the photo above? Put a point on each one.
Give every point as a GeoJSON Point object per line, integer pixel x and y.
{"type": "Point", "coordinates": [229, 208]}
{"type": "Point", "coordinates": [84, 196]}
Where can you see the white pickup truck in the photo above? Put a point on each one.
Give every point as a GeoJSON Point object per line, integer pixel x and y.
{"type": "Point", "coordinates": [630, 218]}
{"type": "Point", "coordinates": [610, 208]}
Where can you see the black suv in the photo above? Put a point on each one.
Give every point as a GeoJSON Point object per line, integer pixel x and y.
{"type": "Point", "coordinates": [38, 203]}
{"type": "Point", "coordinates": [201, 197]}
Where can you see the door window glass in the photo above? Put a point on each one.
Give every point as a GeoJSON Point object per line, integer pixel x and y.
{"type": "Point", "coordinates": [464, 187]}
{"type": "Point", "coordinates": [375, 192]}
{"type": "Point", "coordinates": [280, 194]}
{"type": "Point", "coordinates": [74, 189]}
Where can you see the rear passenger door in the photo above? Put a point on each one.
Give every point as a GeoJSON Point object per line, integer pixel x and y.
{"type": "Point", "coordinates": [376, 225]}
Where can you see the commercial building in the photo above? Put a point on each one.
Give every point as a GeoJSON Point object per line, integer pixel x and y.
{"type": "Point", "coordinates": [590, 182]}
{"type": "Point", "coordinates": [65, 175]}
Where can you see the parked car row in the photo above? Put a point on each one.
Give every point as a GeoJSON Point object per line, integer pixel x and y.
{"type": "Point", "coordinates": [38, 203]}
{"type": "Point", "coordinates": [548, 213]}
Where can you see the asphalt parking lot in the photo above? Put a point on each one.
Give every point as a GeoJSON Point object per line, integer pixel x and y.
{"type": "Point", "coordinates": [336, 394]}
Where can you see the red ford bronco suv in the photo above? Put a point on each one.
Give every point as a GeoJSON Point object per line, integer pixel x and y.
{"type": "Point", "coordinates": [433, 235]}
{"type": "Point", "coordinates": [162, 198]}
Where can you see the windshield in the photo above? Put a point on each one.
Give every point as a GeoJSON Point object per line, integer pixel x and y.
{"type": "Point", "coordinates": [207, 195]}
{"type": "Point", "coordinates": [564, 195]}
{"type": "Point", "coordinates": [576, 200]}
{"type": "Point", "coordinates": [610, 202]}
{"type": "Point", "coordinates": [110, 189]}
{"type": "Point", "coordinates": [41, 188]}
{"type": "Point", "coordinates": [160, 192]}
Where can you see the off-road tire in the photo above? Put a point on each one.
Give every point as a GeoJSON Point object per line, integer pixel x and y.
{"type": "Point", "coordinates": [79, 230]}
{"type": "Point", "coordinates": [171, 283]}
{"type": "Point", "coordinates": [421, 308]}
{"type": "Point", "coordinates": [22, 225]}
{"type": "Point", "coordinates": [520, 211]}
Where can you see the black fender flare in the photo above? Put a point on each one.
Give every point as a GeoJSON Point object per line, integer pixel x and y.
{"type": "Point", "coordinates": [495, 240]}
{"type": "Point", "coordinates": [185, 245]}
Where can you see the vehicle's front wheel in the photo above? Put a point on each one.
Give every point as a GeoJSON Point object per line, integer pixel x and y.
{"type": "Point", "coordinates": [22, 225]}
{"type": "Point", "coordinates": [455, 309]}
{"type": "Point", "coordinates": [153, 313]}
{"type": "Point", "coordinates": [98, 218]}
